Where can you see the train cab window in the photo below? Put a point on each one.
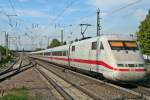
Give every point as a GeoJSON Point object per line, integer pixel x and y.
{"type": "Point", "coordinates": [131, 45]}
{"type": "Point", "coordinates": [123, 45]}
{"type": "Point", "coordinates": [101, 46]}
{"type": "Point", "coordinates": [94, 45]}
{"type": "Point", "coordinates": [116, 45]}
{"type": "Point", "coordinates": [73, 48]}
{"type": "Point", "coordinates": [64, 53]}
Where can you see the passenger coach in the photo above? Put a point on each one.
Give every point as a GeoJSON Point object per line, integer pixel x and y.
{"type": "Point", "coordinates": [117, 58]}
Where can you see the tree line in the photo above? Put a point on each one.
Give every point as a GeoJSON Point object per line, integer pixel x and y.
{"type": "Point", "coordinates": [143, 34]}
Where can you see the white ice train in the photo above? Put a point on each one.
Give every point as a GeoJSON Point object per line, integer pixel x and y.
{"type": "Point", "coordinates": [117, 58]}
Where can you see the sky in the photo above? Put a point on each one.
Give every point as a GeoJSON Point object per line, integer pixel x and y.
{"type": "Point", "coordinates": [31, 23]}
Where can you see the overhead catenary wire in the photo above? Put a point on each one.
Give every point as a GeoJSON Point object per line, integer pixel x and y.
{"type": "Point", "coordinates": [8, 16]}
{"type": "Point", "coordinates": [115, 10]}
{"type": "Point", "coordinates": [126, 6]}
{"type": "Point", "coordinates": [112, 12]}
{"type": "Point", "coordinates": [63, 11]}
{"type": "Point", "coordinates": [19, 19]}
{"type": "Point", "coordinates": [10, 22]}
{"type": "Point", "coordinates": [23, 22]}
{"type": "Point", "coordinates": [12, 6]}
{"type": "Point", "coordinates": [122, 8]}
{"type": "Point", "coordinates": [82, 18]}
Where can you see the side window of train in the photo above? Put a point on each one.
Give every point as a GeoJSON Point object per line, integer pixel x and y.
{"type": "Point", "coordinates": [53, 53]}
{"type": "Point", "coordinates": [94, 45]}
{"type": "Point", "coordinates": [101, 46]}
{"type": "Point", "coordinates": [64, 53]}
{"type": "Point", "coordinates": [73, 48]}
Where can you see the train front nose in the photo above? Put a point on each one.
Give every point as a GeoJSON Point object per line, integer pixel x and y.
{"type": "Point", "coordinates": [129, 76]}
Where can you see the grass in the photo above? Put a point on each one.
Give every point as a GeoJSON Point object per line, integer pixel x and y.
{"type": "Point", "coordinates": [17, 94]}
{"type": "Point", "coordinates": [6, 61]}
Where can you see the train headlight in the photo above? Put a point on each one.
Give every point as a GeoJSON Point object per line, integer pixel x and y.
{"type": "Point", "coordinates": [120, 65]}
{"type": "Point", "coordinates": [141, 65]}
{"type": "Point", "coordinates": [130, 65]}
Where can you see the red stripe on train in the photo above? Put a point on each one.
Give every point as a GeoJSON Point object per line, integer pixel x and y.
{"type": "Point", "coordinates": [101, 63]}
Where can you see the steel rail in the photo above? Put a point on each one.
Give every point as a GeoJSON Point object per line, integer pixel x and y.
{"type": "Point", "coordinates": [138, 94]}
{"type": "Point", "coordinates": [92, 95]}
{"type": "Point", "coordinates": [56, 86]}
{"type": "Point", "coordinates": [10, 67]}
{"type": "Point", "coordinates": [15, 71]}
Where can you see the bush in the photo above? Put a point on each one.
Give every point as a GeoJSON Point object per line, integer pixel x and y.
{"type": "Point", "coordinates": [5, 58]}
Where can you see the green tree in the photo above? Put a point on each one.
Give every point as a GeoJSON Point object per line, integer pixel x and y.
{"type": "Point", "coordinates": [2, 50]}
{"type": "Point", "coordinates": [143, 35]}
{"type": "Point", "coordinates": [54, 43]}
{"type": "Point", "coordinates": [5, 58]}
{"type": "Point", "coordinates": [38, 49]}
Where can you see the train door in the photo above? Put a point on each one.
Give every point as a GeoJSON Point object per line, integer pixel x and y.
{"type": "Point", "coordinates": [97, 55]}
{"type": "Point", "coordinates": [72, 55]}
{"type": "Point", "coordinates": [102, 58]}
{"type": "Point", "coordinates": [92, 55]}
{"type": "Point", "coordinates": [68, 55]}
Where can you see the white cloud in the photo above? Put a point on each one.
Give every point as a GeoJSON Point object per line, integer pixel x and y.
{"type": "Point", "coordinates": [140, 14]}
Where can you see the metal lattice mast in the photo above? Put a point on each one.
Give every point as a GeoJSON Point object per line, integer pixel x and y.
{"type": "Point", "coordinates": [98, 23]}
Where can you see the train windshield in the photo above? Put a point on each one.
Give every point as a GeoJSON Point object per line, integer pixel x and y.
{"type": "Point", "coordinates": [123, 45]}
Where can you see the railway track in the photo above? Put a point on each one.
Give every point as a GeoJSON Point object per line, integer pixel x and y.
{"type": "Point", "coordinates": [142, 90]}
{"type": "Point", "coordinates": [15, 68]}
{"type": "Point", "coordinates": [102, 90]}
{"type": "Point", "coordinates": [7, 68]}
{"type": "Point", "coordinates": [66, 88]}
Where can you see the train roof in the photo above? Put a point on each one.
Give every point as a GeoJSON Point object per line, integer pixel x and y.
{"type": "Point", "coordinates": [102, 37]}
{"type": "Point", "coordinates": [118, 37]}
{"type": "Point", "coordinates": [108, 37]}
{"type": "Point", "coordinates": [64, 47]}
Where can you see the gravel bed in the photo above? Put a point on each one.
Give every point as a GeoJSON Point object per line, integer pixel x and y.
{"type": "Point", "coordinates": [35, 84]}
{"type": "Point", "coordinates": [75, 93]}
{"type": "Point", "coordinates": [100, 89]}
{"type": "Point", "coordinates": [142, 90]}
